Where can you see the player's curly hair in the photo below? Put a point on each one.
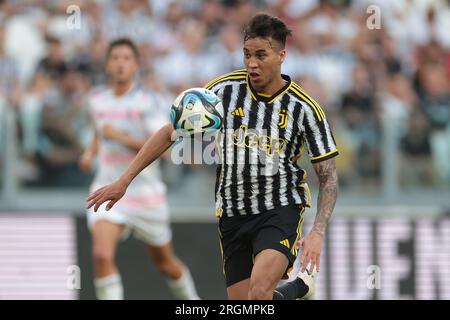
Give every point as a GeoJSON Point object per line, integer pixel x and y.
{"type": "Point", "coordinates": [264, 25]}
{"type": "Point", "coordinates": [123, 42]}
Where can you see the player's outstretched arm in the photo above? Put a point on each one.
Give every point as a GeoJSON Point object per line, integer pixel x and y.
{"type": "Point", "coordinates": [328, 190]}
{"type": "Point", "coordinates": [109, 132]}
{"type": "Point", "coordinates": [152, 149]}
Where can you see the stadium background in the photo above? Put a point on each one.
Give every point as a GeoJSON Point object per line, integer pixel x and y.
{"type": "Point", "coordinates": [386, 92]}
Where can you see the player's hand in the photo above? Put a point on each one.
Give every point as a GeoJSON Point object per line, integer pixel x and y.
{"type": "Point", "coordinates": [112, 192]}
{"type": "Point", "coordinates": [311, 247]}
{"type": "Point", "coordinates": [109, 132]}
{"type": "Point", "coordinates": [86, 161]}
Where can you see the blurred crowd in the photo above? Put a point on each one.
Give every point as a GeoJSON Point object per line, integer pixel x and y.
{"type": "Point", "coordinates": [375, 66]}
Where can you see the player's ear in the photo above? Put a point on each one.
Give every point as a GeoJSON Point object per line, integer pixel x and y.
{"type": "Point", "coordinates": [282, 55]}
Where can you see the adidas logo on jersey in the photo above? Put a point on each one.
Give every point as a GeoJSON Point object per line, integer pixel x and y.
{"type": "Point", "coordinates": [239, 112]}
{"type": "Point", "coordinates": [285, 243]}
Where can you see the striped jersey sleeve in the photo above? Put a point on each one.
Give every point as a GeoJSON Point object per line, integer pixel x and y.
{"type": "Point", "coordinates": [316, 129]}
{"type": "Point", "coordinates": [216, 84]}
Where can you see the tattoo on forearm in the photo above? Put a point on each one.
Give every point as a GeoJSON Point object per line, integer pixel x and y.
{"type": "Point", "coordinates": [328, 190]}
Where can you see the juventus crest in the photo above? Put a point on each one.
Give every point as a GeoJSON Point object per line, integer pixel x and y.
{"type": "Point", "coordinates": [283, 119]}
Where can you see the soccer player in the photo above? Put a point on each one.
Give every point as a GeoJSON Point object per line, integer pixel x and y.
{"type": "Point", "coordinates": [261, 192]}
{"type": "Point", "coordinates": [124, 116]}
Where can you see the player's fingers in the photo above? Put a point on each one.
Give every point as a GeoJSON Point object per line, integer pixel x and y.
{"type": "Point", "coordinates": [299, 243]}
{"type": "Point", "coordinates": [102, 194]}
{"type": "Point", "coordinates": [313, 264]}
{"type": "Point", "coordinates": [110, 204]}
{"type": "Point", "coordinates": [98, 203]}
{"type": "Point", "coordinates": [302, 256]}
{"type": "Point", "coordinates": [318, 263]}
{"type": "Point", "coordinates": [95, 194]}
{"type": "Point", "coordinates": [305, 262]}
{"type": "Point", "coordinates": [94, 200]}
{"type": "Point", "coordinates": [90, 204]}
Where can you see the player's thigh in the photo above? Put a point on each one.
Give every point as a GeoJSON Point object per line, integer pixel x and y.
{"type": "Point", "coordinates": [239, 290]}
{"type": "Point", "coordinates": [268, 269]}
{"type": "Point", "coordinates": [237, 263]}
{"type": "Point", "coordinates": [280, 232]}
{"type": "Point", "coordinates": [105, 236]}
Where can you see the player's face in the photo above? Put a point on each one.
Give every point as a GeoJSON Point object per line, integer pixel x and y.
{"type": "Point", "coordinates": [122, 64]}
{"type": "Point", "coordinates": [263, 58]}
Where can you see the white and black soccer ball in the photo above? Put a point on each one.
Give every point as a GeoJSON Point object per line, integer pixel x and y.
{"type": "Point", "coordinates": [196, 110]}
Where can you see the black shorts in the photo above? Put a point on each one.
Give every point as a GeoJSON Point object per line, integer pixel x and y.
{"type": "Point", "coordinates": [243, 237]}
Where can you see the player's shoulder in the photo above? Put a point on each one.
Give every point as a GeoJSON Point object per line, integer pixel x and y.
{"type": "Point", "coordinates": [298, 93]}
{"type": "Point", "coordinates": [153, 100]}
{"type": "Point", "coordinates": [149, 95]}
{"type": "Point", "coordinates": [98, 96]}
{"type": "Point", "coordinates": [99, 92]}
{"type": "Point", "coordinates": [142, 93]}
{"type": "Point", "coordinates": [227, 78]}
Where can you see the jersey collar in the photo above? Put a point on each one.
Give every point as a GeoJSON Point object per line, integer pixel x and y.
{"type": "Point", "coordinates": [133, 88]}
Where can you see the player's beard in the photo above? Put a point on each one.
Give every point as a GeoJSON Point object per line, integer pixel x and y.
{"type": "Point", "coordinates": [267, 78]}
{"type": "Point", "coordinates": [262, 83]}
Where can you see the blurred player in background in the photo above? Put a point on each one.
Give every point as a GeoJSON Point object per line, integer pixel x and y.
{"type": "Point", "coordinates": [124, 117]}
{"type": "Point", "coordinates": [261, 203]}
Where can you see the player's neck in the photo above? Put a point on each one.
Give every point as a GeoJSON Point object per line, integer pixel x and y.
{"type": "Point", "coordinates": [120, 88]}
{"type": "Point", "coordinates": [272, 87]}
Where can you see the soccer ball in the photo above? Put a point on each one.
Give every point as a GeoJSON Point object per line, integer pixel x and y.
{"type": "Point", "coordinates": [196, 110]}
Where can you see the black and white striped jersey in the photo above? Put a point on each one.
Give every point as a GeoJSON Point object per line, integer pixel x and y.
{"type": "Point", "coordinates": [260, 142]}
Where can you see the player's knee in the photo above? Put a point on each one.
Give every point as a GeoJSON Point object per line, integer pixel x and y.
{"type": "Point", "coordinates": [260, 290]}
{"type": "Point", "coordinates": [103, 258]}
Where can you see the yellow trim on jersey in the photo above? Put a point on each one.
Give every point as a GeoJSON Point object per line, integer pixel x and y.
{"type": "Point", "coordinates": [305, 186]}
{"type": "Point", "coordinates": [264, 95]}
{"type": "Point", "coordinates": [299, 155]}
{"type": "Point", "coordinates": [235, 77]}
{"type": "Point", "coordinates": [309, 97]}
{"type": "Point", "coordinates": [312, 100]}
{"type": "Point", "coordinates": [241, 72]}
{"type": "Point", "coordinates": [281, 93]}
{"type": "Point", "coordinates": [218, 79]}
{"type": "Point", "coordinates": [319, 116]}
{"type": "Point", "coordinates": [223, 262]}
{"type": "Point", "coordinates": [250, 89]}
{"type": "Point", "coordinates": [221, 252]}
{"type": "Point", "coordinates": [324, 155]}
{"type": "Point", "coordinates": [294, 249]}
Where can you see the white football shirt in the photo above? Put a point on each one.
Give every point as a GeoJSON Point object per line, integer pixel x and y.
{"type": "Point", "coordinates": [138, 113]}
